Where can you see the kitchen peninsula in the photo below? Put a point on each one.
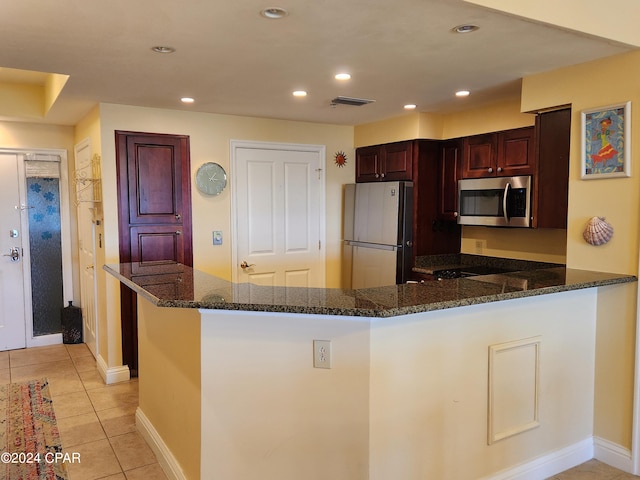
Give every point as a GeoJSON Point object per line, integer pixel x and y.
{"type": "Point", "coordinates": [497, 370]}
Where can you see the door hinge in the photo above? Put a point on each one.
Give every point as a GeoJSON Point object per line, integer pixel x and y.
{"type": "Point", "coordinates": [319, 170]}
{"type": "Point", "coordinates": [319, 244]}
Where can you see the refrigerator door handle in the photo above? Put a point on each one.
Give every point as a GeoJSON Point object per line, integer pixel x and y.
{"type": "Point", "coordinates": [377, 246]}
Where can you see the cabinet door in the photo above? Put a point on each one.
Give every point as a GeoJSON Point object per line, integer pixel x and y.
{"type": "Point", "coordinates": [480, 154]}
{"type": "Point", "coordinates": [368, 164]}
{"type": "Point", "coordinates": [516, 152]}
{"type": "Point", "coordinates": [449, 160]}
{"type": "Point", "coordinates": [397, 161]}
{"type": "Point", "coordinates": [551, 191]}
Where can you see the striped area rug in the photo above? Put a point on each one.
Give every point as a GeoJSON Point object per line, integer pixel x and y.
{"type": "Point", "coordinates": [29, 437]}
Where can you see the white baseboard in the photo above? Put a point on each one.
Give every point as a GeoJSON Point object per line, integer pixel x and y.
{"type": "Point", "coordinates": [167, 461]}
{"type": "Point", "coordinates": [550, 464]}
{"type": "Point", "coordinates": [612, 454]}
{"type": "Point", "coordinates": [112, 374]}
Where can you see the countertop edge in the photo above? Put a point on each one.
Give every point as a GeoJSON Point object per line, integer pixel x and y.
{"type": "Point", "coordinates": [378, 311]}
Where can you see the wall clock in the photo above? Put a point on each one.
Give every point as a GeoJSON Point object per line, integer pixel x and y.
{"type": "Point", "coordinates": [211, 178]}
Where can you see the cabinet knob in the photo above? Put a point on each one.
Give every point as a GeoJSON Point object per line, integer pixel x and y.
{"type": "Point", "coordinates": [455, 214]}
{"type": "Point", "coordinates": [499, 169]}
{"type": "Point", "coordinates": [377, 176]}
{"type": "Point", "coordinates": [382, 175]}
{"type": "Point", "coordinates": [490, 170]}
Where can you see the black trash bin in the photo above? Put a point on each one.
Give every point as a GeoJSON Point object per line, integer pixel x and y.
{"type": "Point", "coordinates": [71, 319]}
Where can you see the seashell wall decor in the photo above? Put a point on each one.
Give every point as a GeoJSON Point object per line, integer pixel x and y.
{"type": "Point", "coordinates": [598, 231]}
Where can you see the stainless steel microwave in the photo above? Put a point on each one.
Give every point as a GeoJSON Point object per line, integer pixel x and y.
{"type": "Point", "coordinates": [495, 201]}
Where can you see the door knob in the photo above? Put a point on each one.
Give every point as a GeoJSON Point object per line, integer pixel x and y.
{"type": "Point", "coordinates": [244, 265]}
{"type": "Point", "coordinates": [14, 253]}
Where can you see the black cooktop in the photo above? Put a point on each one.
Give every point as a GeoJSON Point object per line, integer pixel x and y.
{"type": "Point", "coordinates": [467, 271]}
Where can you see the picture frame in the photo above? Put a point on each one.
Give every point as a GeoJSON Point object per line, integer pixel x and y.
{"type": "Point", "coordinates": [606, 142]}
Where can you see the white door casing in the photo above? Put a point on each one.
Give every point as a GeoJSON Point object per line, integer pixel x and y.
{"type": "Point", "coordinates": [15, 284]}
{"type": "Point", "coordinates": [278, 214]}
{"type": "Point", "coordinates": [12, 306]}
{"type": "Point", "coordinates": [86, 243]}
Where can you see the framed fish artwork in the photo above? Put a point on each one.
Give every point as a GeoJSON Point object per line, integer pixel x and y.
{"type": "Point", "coordinates": [606, 142]}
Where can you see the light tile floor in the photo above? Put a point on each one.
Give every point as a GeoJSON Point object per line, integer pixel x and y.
{"type": "Point", "coordinates": [95, 420]}
{"type": "Point", "coordinates": [593, 470]}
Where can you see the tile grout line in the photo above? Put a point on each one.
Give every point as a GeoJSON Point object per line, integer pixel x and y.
{"type": "Point", "coordinates": [95, 412]}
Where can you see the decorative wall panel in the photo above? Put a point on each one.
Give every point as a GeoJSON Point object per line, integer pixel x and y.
{"type": "Point", "coordinates": [513, 388]}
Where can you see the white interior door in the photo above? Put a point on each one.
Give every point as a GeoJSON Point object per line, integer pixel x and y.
{"type": "Point", "coordinates": [279, 214]}
{"type": "Point", "coordinates": [86, 243]}
{"type": "Point", "coordinates": [12, 307]}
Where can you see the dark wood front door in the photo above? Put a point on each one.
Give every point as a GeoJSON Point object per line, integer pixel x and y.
{"type": "Point", "coordinates": [154, 210]}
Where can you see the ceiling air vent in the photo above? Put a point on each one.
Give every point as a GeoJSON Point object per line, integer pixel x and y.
{"type": "Point", "coordinates": [354, 102]}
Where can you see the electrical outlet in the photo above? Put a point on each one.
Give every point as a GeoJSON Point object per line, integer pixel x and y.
{"type": "Point", "coordinates": [217, 237]}
{"type": "Point", "coordinates": [322, 353]}
{"type": "Point", "coordinates": [479, 246]}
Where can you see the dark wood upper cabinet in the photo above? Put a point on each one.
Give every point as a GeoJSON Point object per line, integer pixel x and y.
{"type": "Point", "coordinates": [449, 167]}
{"type": "Point", "coordinates": [385, 163]}
{"type": "Point", "coordinates": [368, 164]}
{"type": "Point", "coordinates": [551, 183]}
{"type": "Point", "coordinates": [480, 155]}
{"type": "Point", "coordinates": [506, 153]}
{"type": "Point", "coordinates": [398, 161]}
{"type": "Point", "coordinates": [419, 161]}
{"type": "Point", "coordinates": [516, 152]}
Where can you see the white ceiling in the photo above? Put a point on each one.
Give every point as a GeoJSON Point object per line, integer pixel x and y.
{"type": "Point", "coordinates": [234, 61]}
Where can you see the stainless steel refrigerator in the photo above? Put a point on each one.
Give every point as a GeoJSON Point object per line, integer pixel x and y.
{"type": "Point", "coordinates": [378, 234]}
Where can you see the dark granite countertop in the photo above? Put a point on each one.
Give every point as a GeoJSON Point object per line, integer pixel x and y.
{"type": "Point", "coordinates": [431, 263]}
{"type": "Point", "coordinates": [179, 286]}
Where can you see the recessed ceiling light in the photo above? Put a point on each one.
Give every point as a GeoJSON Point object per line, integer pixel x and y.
{"type": "Point", "coordinates": [410, 106]}
{"type": "Point", "coordinates": [465, 28]}
{"type": "Point", "coordinates": [163, 49]}
{"type": "Point", "coordinates": [274, 12]}
{"type": "Point", "coordinates": [343, 76]}
{"type": "Point", "coordinates": [462, 93]}
{"type": "Point", "coordinates": [187, 100]}
{"type": "Point", "coordinates": [299, 93]}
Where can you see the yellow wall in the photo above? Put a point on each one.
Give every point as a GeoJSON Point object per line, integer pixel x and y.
{"type": "Point", "coordinates": [169, 390]}
{"type": "Point", "coordinates": [543, 245]}
{"type": "Point", "coordinates": [431, 423]}
{"type": "Point", "coordinates": [210, 136]}
{"type": "Point", "coordinates": [406, 127]}
{"type": "Point", "coordinates": [268, 413]}
{"type": "Point", "coordinates": [590, 85]}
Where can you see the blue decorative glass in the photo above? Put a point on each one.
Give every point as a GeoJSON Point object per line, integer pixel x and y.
{"type": "Point", "coordinates": [43, 198]}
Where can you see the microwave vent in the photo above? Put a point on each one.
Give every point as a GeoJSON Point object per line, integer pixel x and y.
{"type": "Point", "coordinates": [354, 102]}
